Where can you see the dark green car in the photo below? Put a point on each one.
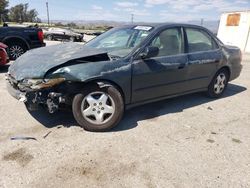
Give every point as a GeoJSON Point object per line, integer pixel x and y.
{"type": "Point", "coordinates": [123, 68]}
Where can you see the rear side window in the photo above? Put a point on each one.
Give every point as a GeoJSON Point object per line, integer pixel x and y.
{"type": "Point", "coordinates": [199, 41]}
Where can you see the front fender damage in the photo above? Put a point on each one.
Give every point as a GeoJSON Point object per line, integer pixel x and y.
{"type": "Point", "coordinates": [61, 83]}
{"type": "Point", "coordinates": [43, 94]}
{"type": "Point", "coordinates": [52, 94]}
{"type": "Point", "coordinates": [34, 92]}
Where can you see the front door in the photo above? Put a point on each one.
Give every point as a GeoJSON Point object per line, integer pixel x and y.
{"type": "Point", "coordinates": [164, 74]}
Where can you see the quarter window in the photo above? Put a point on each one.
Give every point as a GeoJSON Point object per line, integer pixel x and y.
{"type": "Point", "coordinates": [199, 41]}
{"type": "Point", "coordinates": [169, 42]}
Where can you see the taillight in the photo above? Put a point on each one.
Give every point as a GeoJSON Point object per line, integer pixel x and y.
{"type": "Point", "coordinates": [40, 36]}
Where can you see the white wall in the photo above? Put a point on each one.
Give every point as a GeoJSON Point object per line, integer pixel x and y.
{"type": "Point", "coordinates": [235, 35]}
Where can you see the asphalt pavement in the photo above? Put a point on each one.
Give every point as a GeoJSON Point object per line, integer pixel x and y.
{"type": "Point", "coordinates": [188, 141]}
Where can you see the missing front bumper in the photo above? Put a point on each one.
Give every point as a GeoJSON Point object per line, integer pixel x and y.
{"type": "Point", "coordinates": [21, 96]}
{"type": "Point", "coordinates": [46, 97]}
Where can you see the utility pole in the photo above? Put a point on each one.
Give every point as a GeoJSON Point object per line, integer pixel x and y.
{"type": "Point", "coordinates": [47, 5]}
{"type": "Point", "coordinates": [202, 21]}
{"type": "Point", "coordinates": [132, 18]}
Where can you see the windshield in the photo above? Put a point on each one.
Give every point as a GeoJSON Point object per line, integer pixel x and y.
{"type": "Point", "coordinates": [120, 42]}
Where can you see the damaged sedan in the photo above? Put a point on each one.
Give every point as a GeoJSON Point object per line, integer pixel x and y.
{"type": "Point", "coordinates": [122, 68]}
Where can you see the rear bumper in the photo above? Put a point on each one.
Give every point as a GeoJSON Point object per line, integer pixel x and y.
{"type": "Point", "coordinates": [236, 70]}
{"type": "Point", "coordinates": [4, 59]}
{"type": "Point", "coordinates": [3, 62]}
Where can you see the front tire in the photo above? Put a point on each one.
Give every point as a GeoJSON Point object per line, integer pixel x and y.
{"type": "Point", "coordinates": [98, 109]}
{"type": "Point", "coordinates": [50, 37]}
{"type": "Point", "coordinates": [219, 84]}
{"type": "Point", "coordinates": [72, 39]}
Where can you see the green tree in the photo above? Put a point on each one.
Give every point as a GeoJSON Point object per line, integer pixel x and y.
{"type": "Point", "coordinates": [59, 24]}
{"type": "Point", "coordinates": [32, 16]}
{"type": "Point", "coordinates": [71, 25]}
{"type": "Point", "coordinates": [3, 10]}
{"type": "Point", "coordinates": [20, 13]}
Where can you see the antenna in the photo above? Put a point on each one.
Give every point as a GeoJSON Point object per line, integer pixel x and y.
{"type": "Point", "coordinates": [132, 18]}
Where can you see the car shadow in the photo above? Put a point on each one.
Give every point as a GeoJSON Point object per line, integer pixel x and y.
{"type": "Point", "coordinates": [4, 68]}
{"type": "Point", "coordinates": [145, 112]}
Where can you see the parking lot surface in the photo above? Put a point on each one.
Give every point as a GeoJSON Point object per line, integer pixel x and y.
{"type": "Point", "coordinates": [188, 141]}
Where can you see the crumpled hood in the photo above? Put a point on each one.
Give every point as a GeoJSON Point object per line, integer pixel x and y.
{"type": "Point", "coordinates": [35, 63]}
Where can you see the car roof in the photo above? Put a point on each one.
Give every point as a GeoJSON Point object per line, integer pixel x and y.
{"type": "Point", "coordinates": [158, 26]}
{"type": "Point", "coordinates": [168, 24]}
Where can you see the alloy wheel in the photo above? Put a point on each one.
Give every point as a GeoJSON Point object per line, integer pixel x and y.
{"type": "Point", "coordinates": [220, 83]}
{"type": "Point", "coordinates": [98, 108]}
{"type": "Point", "coordinates": [72, 39]}
{"type": "Point", "coordinates": [49, 37]}
{"type": "Point", "coordinates": [16, 51]}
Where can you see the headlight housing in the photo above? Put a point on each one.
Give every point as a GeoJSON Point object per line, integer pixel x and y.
{"type": "Point", "coordinates": [37, 84]}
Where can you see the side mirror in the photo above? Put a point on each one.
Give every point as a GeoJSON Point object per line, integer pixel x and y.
{"type": "Point", "coordinates": [150, 51]}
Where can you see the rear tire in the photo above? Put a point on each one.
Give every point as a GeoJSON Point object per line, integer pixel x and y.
{"type": "Point", "coordinates": [219, 84]}
{"type": "Point", "coordinates": [98, 109]}
{"type": "Point", "coordinates": [16, 49]}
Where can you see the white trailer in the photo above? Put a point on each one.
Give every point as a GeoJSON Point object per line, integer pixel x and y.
{"type": "Point", "coordinates": [234, 29]}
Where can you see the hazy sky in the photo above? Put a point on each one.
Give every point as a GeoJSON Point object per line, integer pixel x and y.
{"type": "Point", "coordinates": [143, 10]}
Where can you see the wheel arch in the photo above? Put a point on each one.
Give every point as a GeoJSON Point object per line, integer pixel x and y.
{"type": "Point", "coordinates": [10, 39]}
{"type": "Point", "coordinates": [226, 68]}
{"type": "Point", "coordinates": [101, 83]}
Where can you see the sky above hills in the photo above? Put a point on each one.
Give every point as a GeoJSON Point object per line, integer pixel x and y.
{"type": "Point", "coordinates": [143, 10]}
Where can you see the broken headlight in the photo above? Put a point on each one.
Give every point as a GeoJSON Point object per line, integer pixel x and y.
{"type": "Point", "coordinates": [40, 83]}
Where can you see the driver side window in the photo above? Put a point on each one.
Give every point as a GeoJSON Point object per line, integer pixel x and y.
{"type": "Point", "coordinates": [169, 42]}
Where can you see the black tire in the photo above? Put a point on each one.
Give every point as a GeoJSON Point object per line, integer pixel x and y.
{"type": "Point", "coordinates": [50, 37]}
{"type": "Point", "coordinates": [213, 90]}
{"type": "Point", "coordinates": [80, 99]}
{"type": "Point", "coordinates": [16, 49]}
{"type": "Point", "coordinates": [72, 39]}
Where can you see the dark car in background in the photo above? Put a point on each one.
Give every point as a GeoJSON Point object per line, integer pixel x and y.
{"type": "Point", "coordinates": [4, 59]}
{"type": "Point", "coordinates": [122, 68]}
{"type": "Point", "coordinates": [21, 39]}
{"type": "Point", "coordinates": [63, 34]}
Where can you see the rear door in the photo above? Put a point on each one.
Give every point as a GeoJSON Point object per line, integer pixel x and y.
{"type": "Point", "coordinates": [164, 74]}
{"type": "Point", "coordinates": [204, 56]}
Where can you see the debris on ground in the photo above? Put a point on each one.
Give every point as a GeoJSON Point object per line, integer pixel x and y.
{"type": "Point", "coordinates": [190, 138]}
{"type": "Point", "coordinates": [210, 141]}
{"type": "Point", "coordinates": [209, 108]}
{"type": "Point", "coordinates": [236, 140]}
{"type": "Point", "coordinates": [45, 136]}
{"type": "Point", "coordinates": [213, 132]}
{"type": "Point", "coordinates": [23, 138]}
